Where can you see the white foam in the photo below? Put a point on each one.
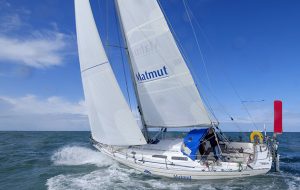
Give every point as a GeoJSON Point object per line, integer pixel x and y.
{"type": "Point", "coordinates": [108, 178]}
{"type": "Point", "coordinates": [77, 155]}
{"type": "Point", "coordinates": [117, 177]}
{"type": "Point", "coordinates": [293, 182]}
{"type": "Point", "coordinates": [114, 176]}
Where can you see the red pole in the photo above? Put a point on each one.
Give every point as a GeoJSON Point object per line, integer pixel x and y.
{"type": "Point", "coordinates": [278, 116]}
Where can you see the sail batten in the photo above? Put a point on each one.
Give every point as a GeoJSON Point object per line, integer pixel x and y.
{"type": "Point", "coordinates": [94, 66]}
{"type": "Point", "coordinates": [110, 118]}
{"type": "Point", "coordinates": [165, 87]}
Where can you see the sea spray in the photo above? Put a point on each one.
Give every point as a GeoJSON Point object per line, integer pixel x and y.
{"type": "Point", "coordinates": [115, 177]}
{"type": "Point", "coordinates": [78, 155]}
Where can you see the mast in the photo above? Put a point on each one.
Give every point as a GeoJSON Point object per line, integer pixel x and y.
{"type": "Point", "coordinates": [111, 121]}
{"type": "Point", "coordinates": [144, 129]}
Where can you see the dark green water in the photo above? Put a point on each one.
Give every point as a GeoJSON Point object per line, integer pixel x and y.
{"type": "Point", "coordinates": [66, 160]}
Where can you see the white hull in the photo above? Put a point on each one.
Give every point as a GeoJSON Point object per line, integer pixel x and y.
{"type": "Point", "coordinates": [143, 161]}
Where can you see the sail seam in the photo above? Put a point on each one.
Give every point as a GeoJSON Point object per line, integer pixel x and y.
{"type": "Point", "coordinates": [151, 80]}
{"type": "Point", "coordinates": [94, 66]}
{"type": "Point", "coordinates": [140, 26]}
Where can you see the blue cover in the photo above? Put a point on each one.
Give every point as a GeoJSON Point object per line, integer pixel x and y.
{"type": "Point", "coordinates": [192, 142]}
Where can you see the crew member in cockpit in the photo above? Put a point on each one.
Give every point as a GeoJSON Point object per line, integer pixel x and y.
{"type": "Point", "coordinates": [213, 140]}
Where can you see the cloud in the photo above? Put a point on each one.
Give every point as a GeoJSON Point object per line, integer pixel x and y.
{"type": "Point", "coordinates": [12, 18]}
{"type": "Point", "coordinates": [40, 52]}
{"type": "Point", "coordinates": [4, 3]}
{"type": "Point", "coordinates": [49, 114]}
{"type": "Point", "coordinates": [24, 44]}
{"type": "Point", "coordinates": [10, 22]}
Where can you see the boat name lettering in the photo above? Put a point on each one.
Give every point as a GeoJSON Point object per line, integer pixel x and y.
{"type": "Point", "coordinates": [152, 75]}
{"type": "Point", "coordinates": [182, 177]}
{"type": "Point", "coordinates": [144, 48]}
{"type": "Point", "coordinates": [264, 163]}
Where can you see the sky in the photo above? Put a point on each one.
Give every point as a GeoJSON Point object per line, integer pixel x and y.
{"type": "Point", "coordinates": [250, 56]}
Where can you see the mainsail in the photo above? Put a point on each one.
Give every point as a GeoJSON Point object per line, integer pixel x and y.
{"type": "Point", "coordinates": [110, 118]}
{"type": "Point", "coordinates": [166, 89]}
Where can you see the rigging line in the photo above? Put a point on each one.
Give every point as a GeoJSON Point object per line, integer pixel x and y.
{"type": "Point", "coordinates": [197, 42]}
{"type": "Point", "coordinates": [122, 58]}
{"type": "Point", "coordinates": [210, 108]}
{"type": "Point", "coordinates": [211, 47]}
{"type": "Point", "coordinates": [244, 106]}
{"type": "Point", "coordinates": [106, 19]}
{"type": "Point", "coordinates": [106, 25]}
{"type": "Point", "coordinates": [202, 57]}
{"type": "Point", "coordinates": [209, 88]}
{"type": "Point", "coordinates": [201, 28]}
{"type": "Point", "coordinates": [186, 59]}
{"type": "Point", "coordinates": [222, 106]}
{"type": "Point", "coordinates": [115, 46]}
{"type": "Point", "coordinates": [225, 111]}
{"type": "Point", "coordinates": [99, 5]}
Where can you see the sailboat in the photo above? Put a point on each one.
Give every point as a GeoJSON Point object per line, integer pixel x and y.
{"type": "Point", "coordinates": [167, 98]}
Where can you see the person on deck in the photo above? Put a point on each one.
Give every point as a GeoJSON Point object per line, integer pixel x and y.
{"type": "Point", "coordinates": [213, 140]}
{"type": "Point", "coordinates": [204, 150]}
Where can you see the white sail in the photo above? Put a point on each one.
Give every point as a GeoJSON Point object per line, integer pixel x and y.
{"type": "Point", "coordinates": [167, 92]}
{"type": "Point", "coordinates": [110, 118]}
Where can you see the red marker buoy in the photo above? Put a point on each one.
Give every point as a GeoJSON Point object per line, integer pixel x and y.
{"type": "Point", "coordinates": [278, 116]}
{"type": "Point", "coordinates": [277, 130]}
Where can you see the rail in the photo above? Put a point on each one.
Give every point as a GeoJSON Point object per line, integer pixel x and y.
{"type": "Point", "coordinates": [165, 161]}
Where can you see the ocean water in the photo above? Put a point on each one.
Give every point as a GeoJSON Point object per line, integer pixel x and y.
{"type": "Point", "coordinates": [66, 160]}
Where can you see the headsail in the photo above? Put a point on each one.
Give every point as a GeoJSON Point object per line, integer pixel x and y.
{"type": "Point", "coordinates": [109, 115]}
{"type": "Point", "coordinates": [167, 92]}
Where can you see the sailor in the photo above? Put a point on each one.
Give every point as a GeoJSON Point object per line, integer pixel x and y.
{"type": "Point", "coordinates": [212, 138]}
{"type": "Point", "coordinates": [202, 149]}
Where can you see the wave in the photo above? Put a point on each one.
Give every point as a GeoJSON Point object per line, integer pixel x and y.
{"type": "Point", "coordinates": [77, 155]}
{"type": "Point", "coordinates": [290, 159]}
{"type": "Point", "coordinates": [120, 177]}
{"type": "Point", "coordinates": [108, 178]}
{"type": "Point", "coordinates": [114, 177]}
{"type": "Point", "coordinates": [285, 180]}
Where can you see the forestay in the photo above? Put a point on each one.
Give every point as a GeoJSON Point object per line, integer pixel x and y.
{"type": "Point", "coordinates": [110, 118]}
{"type": "Point", "coordinates": [167, 92]}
